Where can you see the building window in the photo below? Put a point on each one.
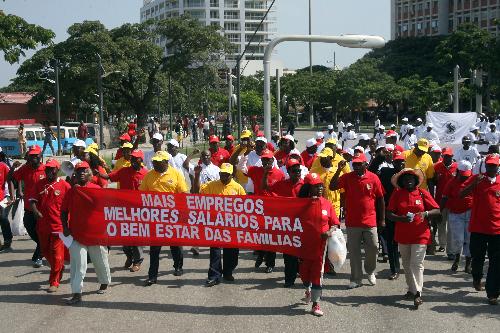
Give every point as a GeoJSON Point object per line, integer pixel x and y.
{"type": "Point", "coordinates": [231, 26]}
{"type": "Point", "coordinates": [214, 3]}
{"type": "Point", "coordinates": [234, 38]}
{"type": "Point", "coordinates": [194, 3]}
{"type": "Point", "coordinates": [231, 3]}
{"type": "Point", "coordinates": [231, 15]}
{"type": "Point", "coordinates": [214, 14]}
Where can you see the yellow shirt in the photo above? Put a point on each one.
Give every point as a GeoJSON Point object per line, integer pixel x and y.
{"type": "Point", "coordinates": [423, 163]}
{"type": "Point", "coordinates": [121, 163]}
{"type": "Point", "coordinates": [216, 187]}
{"type": "Point", "coordinates": [316, 166]}
{"type": "Point", "coordinates": [171, 181]}
{"type": "Point", "coordinates": [332, 196]}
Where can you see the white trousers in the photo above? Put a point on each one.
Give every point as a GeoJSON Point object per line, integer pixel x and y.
{"type": "Point", "coordinates": [78, 265]}
{"type": "Point", "coordinates": [412, 256]}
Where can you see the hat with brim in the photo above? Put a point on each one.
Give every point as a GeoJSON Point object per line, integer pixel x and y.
{"type": "Point", "coordinates": [245, 134]}
{"type": "Point", "coordinates": [173, 142]}
{"type": "Point", "coordinates": [91, 151]}
{"type": "Point", "coordinates": [423, 145]}
{"type": "Point", "coordinates": [447, 151]}
{"type": "Point", "coordinates": [158, 136]}
{"type": "Point", "coordinates": [125, 137]}
{"type": "Point", "coordinates": [229, 138]}
{"type": "Point", "coordinates": [161, 156]}
{"type": "Point", "coordinates": [226, 168]}
{"type": "Point", "coordinates": [292, 162]}
{"type": "Point", "coordinates": [492, 159]}
{"type": "Point", "coordinates": [267, 154]}
{"type": "Point", "coordinates": [34, 150]}
{"type": "Point", "coordinates": [313, 179]}
{"type": "Point", "coordinates": [52, 163]}
{"type": "Point", "coordinates": [359, 158]}
{"type": "Point", "coordinates": [82, 165]}
{"type": "Point", "coordinates": [213, 139]}
{"type": "Point", "coordinates": [398, 156]}
{"type": "Point", "coordinates": [326, 152]}
{"type": "Point", "coordinates": [137, 154]}
{"type": "Point", "coordinates": [408, 171]}
{"type": "Point", "coordinates": [127, 145]}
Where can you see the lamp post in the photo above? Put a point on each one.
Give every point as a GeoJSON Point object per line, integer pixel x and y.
{"type": "Point", "coordinates": [58, 109]}
{"type": "Point", "coordinates": [171, 105]}
{"type": "Point", "coordinates": [311, 104]}
{"type": "Point", "coordinates": [351, 41]}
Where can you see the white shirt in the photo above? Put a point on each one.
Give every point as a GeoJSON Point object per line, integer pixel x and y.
{"type": "Point", "coordinates": [351, 135]}
{"type": "Point", "coordinates": [340, 126]}
{"type": "Point", "coordinates": [480, 167]}
{"type": "Point", "coordinates": [497, 123]}
{"type": "Point", "coordinates": [471, 155]}
{"type": "Point", "coordinates": [431, 136]}
{"type": "Point", "coordinates": [303, 171]}
{"type": "Point", "coordinates": [329, 136]}
{"type": "Point", "coordinates": [419, 131]}
{"type": "Point", "coordinates": [377, 123]}
{"type": "Point", "coordinates": [206, 125]}
{"type": "Point", "coordinates": [177, 161]}
{"type": "Point", "coordinates": [493, 138]}
{"type": "Point", "coordinates": [208, 173]}
{"type": "Point", "coordinates": [410, 141]}
{"type": "Point", "coordinates": [148, 156]}
{"type": "Point", "coordinates": [403, 130]}
{"type": "Point", "coordinates": [380, 138]}
{"type": "Point", "coordinates": [482, 125]}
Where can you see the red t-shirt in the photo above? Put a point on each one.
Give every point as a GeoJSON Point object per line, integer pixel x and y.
{"type": "Point", "coordinates": [70, 195]}
{"type": "Point", "coordinates": [455, 203]}
{"type": "Point", "coordinates": [328, 216]}
{"type": "Point", "coordinates": [403, 202]}
{"type": "Point", "coordinates": [132, 127]}
{"type": "Point", "coordinates": [444, 175]}
{"type": "Point", "coordinates": [485, 215]}
{"type": "Point", "coordinates": [119, 154]}
{"type": "Point", "coordinates": [360, 196]}
{"type": "Point", "coordinates": [399, 148]}
{"type": "Point", "coordinates": [230, 150]}
{"type": "Point", "coordinates": [49, 198]}
{"type": "Point", "coordinates": [101, 182]}
{"type": "Point", "coordinates": [270, 146]}
{"type": "Point", "coordinates": [281, 157]}
{"type": "Point", "coordinates": [30, 178]}
{"type": "Point", "coordinates": [285, 188]}
{"type": "Point", "coordinates": [220, 156]}
{"type": "Point", "coordinates": [4, 172]}
{"type": "Point", "coordinates": [256, 174]}
{"type": "Point", "coordinates": [307, 159]}
{"type": "Point", "coordinates": [129, 178]}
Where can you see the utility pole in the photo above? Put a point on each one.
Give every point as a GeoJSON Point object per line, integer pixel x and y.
{"type": "Point", "coordinates": [100, 73]}
{"type": "Point", "coordinates": [171, 105]}
{"type": "Point", "coordinates": [278, 98]}
{"type": "Point", "coordinates": [58, 109]}
{"type": "Point", "coordinates": [230, 95]}
{"type": "Point", "coordinates": [479, 93]}
{"type": "Point", "coordinates": [456, 99]}
{"type": "Point", "coordinates": [311, 103]}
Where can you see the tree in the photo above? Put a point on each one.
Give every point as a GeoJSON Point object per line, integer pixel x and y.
{"type": "Point", "coordinates": [17, 35]}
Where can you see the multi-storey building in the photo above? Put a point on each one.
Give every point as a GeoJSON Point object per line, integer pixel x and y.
{"type": "Point", "coordinates": [238, 19]}
{"type": "Point", "coordinates": [411, 18]}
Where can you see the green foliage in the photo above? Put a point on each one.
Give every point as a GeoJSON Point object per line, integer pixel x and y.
{"type": "Point", "coordinates": [17, 35]}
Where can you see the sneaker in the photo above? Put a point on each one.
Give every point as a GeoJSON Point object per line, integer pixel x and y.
{"type": "Point", "coordinates": [5, 248]}
{"type": "Point", "coordinates": [307, 297]}
{"type": "Point", "coordinates": [316, 310]}
{"type": "Point", "coordinates": [353, 285]}
{"type": "Point", "coordinates": [195, 251]}
{"type": "Point", "coordinates": [372, 279]}
{"type": "Point", "coordinates": [493, 301]}
{"type": "Point", "coordinates": [38, 263]}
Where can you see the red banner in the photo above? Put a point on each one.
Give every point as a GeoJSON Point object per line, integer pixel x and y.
{"type": "Point", "coordinates": [123, 217]}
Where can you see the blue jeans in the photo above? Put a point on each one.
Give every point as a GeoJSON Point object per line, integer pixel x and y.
{"type": "Point", "coordinates": [460, 236]}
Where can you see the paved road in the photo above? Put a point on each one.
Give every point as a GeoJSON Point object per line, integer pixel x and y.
{"type": "Point", "coordinates": [256, 302]}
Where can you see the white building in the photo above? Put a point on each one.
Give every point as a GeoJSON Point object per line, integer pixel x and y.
{"type": "Point", "coordinates": [238, 19]}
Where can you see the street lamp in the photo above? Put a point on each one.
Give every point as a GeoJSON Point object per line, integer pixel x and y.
{"type": "Point", "coordinates": [351, 41]}
{"type": "Point", "coordinates": [58, 109]}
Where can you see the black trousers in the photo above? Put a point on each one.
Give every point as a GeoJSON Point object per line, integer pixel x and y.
{"type": "Point", "coordinates": [291, 268]}
{"type": "Point", "coordinates": [479, 245]}
{"type": "Point", "coordinates": [269, 258]}
{"type": "Point", "coordinates": [392, 246]}
{"type": "Point", "coordinates": [222, 262]}
{"type": "Point", "coordinates": [134, 253]}
{"type": "Point", "coordinates": [29, 221]}
{"type": "Point", "coordinates": [154, 259]}
{"type": "Point", "coordinates": [6, 231]}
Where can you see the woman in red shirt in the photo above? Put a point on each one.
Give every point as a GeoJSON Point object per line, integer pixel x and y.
{"type": "Point", "coordinates": [311, 270]}
{"type": "Point", "coordinates": [458, 215]}
{"type": "Point", "coordinates": [411, 207]}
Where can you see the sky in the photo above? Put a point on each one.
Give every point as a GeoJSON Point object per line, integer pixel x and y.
{"type": "Point", "coordinates": [329, 17]}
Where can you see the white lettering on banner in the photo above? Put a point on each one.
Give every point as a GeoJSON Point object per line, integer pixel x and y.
{"type": "Point", "coordinates": [158, 200]}
{"type": "Point", "coordinates": [134, 230]}
{"type": "Point", "coordinates": [282, 223]}
{"type": "Point", "coordinates": [217, 235]}
{"type": "Point", "coordinates": [267, 239]}
{"type": "Point", "coordinates": [223, 220]}
{"type": "Point", "coordinates": [111, 229]}
{"type": "Point", "coordinates": [177, 231]}
{"type": "Point", "coordinates": [227, 204]}
{"type": "Point", "coordinates": [134, 214]}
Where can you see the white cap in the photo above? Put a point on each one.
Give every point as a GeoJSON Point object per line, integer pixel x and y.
{"type": "Point", "coordinates": [404, 119]}
{"type": "Point", "coordinates": [294, 152]}
{"type": "Point", "coordinates": [330, 127]}
{"type": "Point", "coordinates": [389, 146]}
{"type": "Point", "coordinates": [79, 143]}
{"type": "Point", "coordinates": [339, 146]}
{"type": "Point", "coordinates": [361, 149]}
{"type": "Point", "coordinates": [158, 136]}
{"type": "Point", "coordinates": [173, 142]}
{"type": "Point", "coordinates": [310, 143]}
{"type": "Point", "coordinates": [364, 137]}
{"type": "Point", "coordinates": [464, 165]}
{"type": "Point", "coordinates": [1, 149]}
{"type": "Point", "coordinates": [275, 133]}
{"type": "Point", "coordinates": [261, 138]}
{"type": "Point", "coordinates": [381, 127]}
{"type": "Point", "coordinates": [436, 148]}
{"type": "Point", "coordinates": [350, 151]}
{"type": "Point", "coordinates": [393, 125]}
{"type": "Point", "coordinates": [473, 128]}
{"type": "Point", "coordinates": [410, 127]}
{"type": "Point", "coordinates": [319, 135]}
{"type": "Point", "coordinates": [419, 119]}
{"type": "Point", "coordinates": [289, 137]}
{"type": "Point", "coordinates": [431, 125]}
{"type": "Point", "coordinates": [378, 147]}
{"type": "Point", "coordinates": [348, 125]}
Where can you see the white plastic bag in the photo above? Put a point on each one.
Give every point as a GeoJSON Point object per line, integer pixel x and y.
{"type": "Point", "coordinates": [337, 249]}
{"type": "Point", "coordinates": [16, 220]}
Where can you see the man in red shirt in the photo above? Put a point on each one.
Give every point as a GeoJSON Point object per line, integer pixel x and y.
{"type": "Point", "coordinates": [130, 178]}
{"type": "Point", "coordinates": [30, 173]}
{"type": "Point", "coordinates": [459, 210]}
{"type": "Point", "coordinates": [286, 145]}
{"type": "Point", "coordinates": [82, 131]}
{"type": "Point", "coordinates": [445, 170]}
{"type": "Point", "coordinates": [485, 226]}
{"type": "Point", "coordinates": [78, 252]}
{"type": "Point", "coordinates": [4, 223]}
{"type": "Point", "coordinates": [310, 153]}
{"type": "Point", "coordinates": [289, 188]}
{"type": "Point", "coordinates": [46, 204]}
{"type": "Point", "coordinates": [229, 147]}
{"type": "Point", "coordinates": [219, 155]}
{"type": "Point", "coordinates": [364, 208]}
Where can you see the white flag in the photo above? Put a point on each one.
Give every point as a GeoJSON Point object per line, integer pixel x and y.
{"type": "Point", "coordinates": [451, 127]}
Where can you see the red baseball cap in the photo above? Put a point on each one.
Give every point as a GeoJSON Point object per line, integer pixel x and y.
{"type": "Point", "coordinates": [82, 165]}
{"type": "Point", "coordinates": [125, 137]}
{"type": "Point", "coordinates": [34, 150]}
{"type": "Point", "coordinates": [137, 154]}
{"type": "Point", "coordinates": [313, 179]}
{"type": "Point", "coordinates": [260, 134]}
{"type": "Point", "coordinates": [397, 155]}
{"type": "Point", "coordinates": [492, 159]}
{"type": "Point", "coordinates": [359, 158]}
{"type": "Point", "coordinates": [213, 138]}
{"type": "Point", "coordinates": [390, 133]}
{"type": "Point", "coordinates": [267, 154]}
{"type": "Point", "coordinates": [291, 162]}
{"type": "Point", "coordinates": [52, 163]}
{"type": "Point", "coordinates": [447, 151]}
{"type": "Point", "coordinates": [229, 137]}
